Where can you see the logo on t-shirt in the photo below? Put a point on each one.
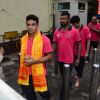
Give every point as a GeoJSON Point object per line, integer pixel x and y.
{"type": "Point", "coordinates": [58, 35]}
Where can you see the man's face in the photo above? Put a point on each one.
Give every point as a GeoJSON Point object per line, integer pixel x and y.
{"type": "Point", "coordinates": [64, 20]}
{"type": "Point", "coordinates": [94, 20]}
{"type": "Point", "coordinates": [32, 26]}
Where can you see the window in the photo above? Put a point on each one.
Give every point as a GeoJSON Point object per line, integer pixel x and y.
{"type": "Point", "coordinates": [64, 12]}
{"type": "Point", "coordinates": [64, 6]}
{"type": "Point", "coordinates": [81, 6]}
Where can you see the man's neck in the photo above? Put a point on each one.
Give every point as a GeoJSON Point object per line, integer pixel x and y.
{"type": "Point", "coordinates": [65, 28]}
{"type": "Point", "coordinates": [32, 35]}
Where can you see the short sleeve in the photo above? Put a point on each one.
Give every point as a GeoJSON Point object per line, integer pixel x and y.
{"type": "Point", "coordinates": [98, 27]}
{"type": "Point", "coordinates": [87, 33]}
{"type": "Point", "coordinates": [47, 48]}
{"type": "Point", "coordinates": [89, 25]}
{"type": "Point", "coordinates": [77, 37]}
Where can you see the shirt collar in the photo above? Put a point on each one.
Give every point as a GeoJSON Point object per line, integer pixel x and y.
{"type": "Point", "coordinates": [69, 28]}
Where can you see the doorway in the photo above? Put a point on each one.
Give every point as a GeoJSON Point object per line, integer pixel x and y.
{"type": "Point", "coordinates": [92, 9]}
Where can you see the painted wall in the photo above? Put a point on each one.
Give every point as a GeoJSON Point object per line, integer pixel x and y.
{"type": "Point", "coordinates": [14, 12]}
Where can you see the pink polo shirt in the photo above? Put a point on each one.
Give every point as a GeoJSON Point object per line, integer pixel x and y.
{"type": "Point", "coordinates": [85, 35]}
{"type": "Point", "coordinates": [47, 48]}
{"type": "Point", "coordinates": [65, 42]}
{"type": "Point", "coordinates": [94, 36]}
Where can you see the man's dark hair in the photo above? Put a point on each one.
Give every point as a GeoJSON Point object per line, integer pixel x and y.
{"type": "Point", "coordinates": [65, 14]}
{"type": "Point", "coordinates": [32, 17]}
{"type": "Point", "coordinates": [75, 19]}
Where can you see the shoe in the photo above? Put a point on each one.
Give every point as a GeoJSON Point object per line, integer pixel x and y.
{"type": "Point", "coordinates": [86, 61]}
{"type": "Point", "coordinates": [75, 77]}
{"type": "Point", "coordinates": [77, 84]}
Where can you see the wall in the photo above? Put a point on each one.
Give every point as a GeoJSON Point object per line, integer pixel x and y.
{"type": "Point", "coordinates": [14, 12]}
{"type": "Point", "coordinates": [73, 10]}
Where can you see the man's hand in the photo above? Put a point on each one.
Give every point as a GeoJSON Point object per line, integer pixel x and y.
{"type": "Point", "coordinates": [86, 55]}
{"type": "Point", "coordinates": [93, 29]}
{"type": "Point", "coordinates": [76, 64]}
{"type": "Point", "coordinates": [28, 60]}
{"type": "Point", "coordinates": [1, 50]}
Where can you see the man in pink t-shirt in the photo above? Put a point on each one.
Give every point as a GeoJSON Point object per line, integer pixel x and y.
{"type": "Point", "coordinates": [64, 39]}
{"type": "Point", "coordinates": [95, 32]}
{"type": "Point", "coordinates": [32, 23]}
{"type": "Point", "coordinates": [85, 44]}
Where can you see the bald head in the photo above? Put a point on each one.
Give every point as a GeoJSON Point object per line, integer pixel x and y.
{"type": "Point", "coordinates": [94, 19]}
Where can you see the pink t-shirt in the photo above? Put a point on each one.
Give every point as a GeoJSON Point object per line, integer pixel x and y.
{"type": "Point", "coordinates": [94, 36]}
{"type": "Point", "coordinates": [65, 42]}
{"type": "Point", "coordinates": [85, 35]}
{"type": "Point", "coordinates": [47, 48]}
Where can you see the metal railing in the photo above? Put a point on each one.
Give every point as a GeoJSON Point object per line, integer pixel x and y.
{"type": "Point", "coordinates": [94, 77]}
{"type": "Point", "coordinates": [66, 82]}
{"type": "Point", "coordinates": [94, 82]}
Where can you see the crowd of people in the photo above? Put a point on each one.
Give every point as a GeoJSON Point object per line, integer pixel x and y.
{"type": "Point", "coordinates": [72, 41]}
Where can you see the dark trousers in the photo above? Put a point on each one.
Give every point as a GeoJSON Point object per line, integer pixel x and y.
{"type": "Point", "coordinates": [94, 44]}
{"type": "Point", "coordinates": [61, 68]}
{"type": "Point", "coordinates": [29, 92]}
{"type": "Point", "coordinates": [80, 68]}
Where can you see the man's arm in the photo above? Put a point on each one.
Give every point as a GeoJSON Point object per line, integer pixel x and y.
{"type": "Point", "coordinates": [78, 43]}
{"type": "Point", "coordinates": [54, 46]}
{"type": "Point", "coordinates": [79, 49]}
{"type": "Point", "coordinates": [96, 30]}
{"type": "Point", "coordinates": [93, 29]}
{"type": "Point", "coordinates": [44, 59]}
{"type": "Point", "coordinates": [88, 47]}
{"type": "Point", "coordinates": [79, 53]}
